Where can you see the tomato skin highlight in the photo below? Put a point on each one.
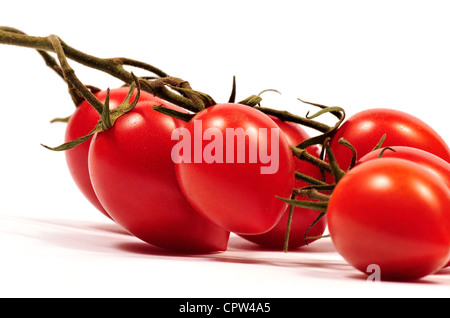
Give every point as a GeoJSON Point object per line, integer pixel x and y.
{"type": "Point", "coordinates": [392, 213]}
{"type": "Point", "coordinates": [133, 176]}
{"type": "Point", "coordinates": [82, 121]}
{"type": "Point", "coordinates": [237, 196]}
{"type": "Point", "coordinates": [365, 129]}
{"type": "Point", "coordinates": [302, 218]}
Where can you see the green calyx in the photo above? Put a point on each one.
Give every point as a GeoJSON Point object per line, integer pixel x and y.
{"type": "Point", "coordinates": [107, 118]}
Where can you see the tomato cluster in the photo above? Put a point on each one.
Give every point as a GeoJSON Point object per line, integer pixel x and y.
{"type": "Point", "coordinates": [185, 185]}
{"type": "Point", "coordinates": [183, 177]}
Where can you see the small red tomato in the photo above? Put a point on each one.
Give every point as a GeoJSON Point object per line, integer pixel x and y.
{"type": "Point", "coordinates": [232, 163]}
{"type": "Point", "coordinates": [439, 167]}
{"type": "Point", "coordinates": [365, 129]}
{"type": "Point", "coordinates": [133, 175]}
{"type": "Point", "coordinates": [82, 121]}
{"type": "Point", "coordinates": [302, 218]}
{"type": "Point", "coordinates": [394, 214]}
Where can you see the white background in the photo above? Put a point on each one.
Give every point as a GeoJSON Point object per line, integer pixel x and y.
{"type": "Point", "coordinates": [355, 54]}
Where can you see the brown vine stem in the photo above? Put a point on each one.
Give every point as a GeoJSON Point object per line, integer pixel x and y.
{"type": "Point", "coordinates": [111, 66]}
{"type": "Point", "coordinates": [169, 88]}
{"type": "Point", "coordinates": [69, 75]}
{"type": "Point", "coordinates": [302, 154]}
{"type": "Point", "coordinates": [311, 193]}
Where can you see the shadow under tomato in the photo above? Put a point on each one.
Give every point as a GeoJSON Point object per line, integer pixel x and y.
{"type": "Point", "coordinates": [236, 255]}
{"type": "Point", "coordinates": [443, 271]}
{"type": "Point", "coordinates": [112, 228]}
{"type": "Point", "coordinates": [142, 248]}
{"type": "Point", "coordinates": [422, 281]}
{"type": "Point", "coordinates": [320, 246]}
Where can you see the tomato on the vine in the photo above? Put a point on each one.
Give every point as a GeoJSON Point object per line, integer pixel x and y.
{"type": "Point", "coordinates": [302, 218]}
{"type": "Point", "coordinates": [394, 214]}
{"type": "Point", "coordinates": [439, 167]}
{"type": "Point", "coordinates": [232, 163]}
{"type": "Point", "coordinates": [81, 122]}
{"type": "Point", "coordinates": [365, 129]}
{"type": "Point", "coordinates": [133, 175]}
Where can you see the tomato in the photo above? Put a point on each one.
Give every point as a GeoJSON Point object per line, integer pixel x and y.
{"type": "Point", "coordinates": [365, 129]}
{"type": "Point", "coordinates": [82, 121]}
{"type": "Point", "coordinates": [133, 175]}
{"type": "Point", "coordinates": [233, 178]}
{"type": "Point", "coordinates": [439, 167]}
{"type": "Point", "coordinates": [394, 214]}
{"type": "Point", "coordinates": [302, 218]}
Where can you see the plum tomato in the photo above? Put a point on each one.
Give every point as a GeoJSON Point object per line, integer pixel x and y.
{"type": "Point", "coordinates": [302, 218]}
{"type": "Point", "coordinates": [439, 167]}
{"type": "Point", "coordinates": [366, 128]}
{"type": "Point", "coordinates": [82, 121]}
{"type": "Point", "coordinates": [394, 214]}
{"type": "Point", "coordinates": [232, 162]}
{"type": "Point", "coordinates": [133, 175]}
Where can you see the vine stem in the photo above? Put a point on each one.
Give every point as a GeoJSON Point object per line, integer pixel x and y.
{"type": "Point", "coordinates": [111, 66]}
{"type": "Point", "coordinates": [288, 225]}
{"type": "Point", "coordinates": [69, 75]}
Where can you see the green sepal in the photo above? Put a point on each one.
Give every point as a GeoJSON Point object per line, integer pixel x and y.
{"type": "Point", "coordinates": [60, 119]}
{"type": "Point", "coordinates": [320, 139]}
{"type": "Point", "coordinates": [347, 144]}
{"type": "Point", "coordinates": [107, 118]}
{"type": "Point", "coordinates": [315, 205]}
{"type": "Point", "coordinates": [232, 97]}
{"type": "Point", "coordinates": [336, 111]}
{"type": "Point", "coordinates": [380, 143]}
{"type": "Point", "coordinates": [251, 100]}
{"type": "Point", "coordinates": [74, 143]}
{"type": "Point", "coordinates": [310, 227]}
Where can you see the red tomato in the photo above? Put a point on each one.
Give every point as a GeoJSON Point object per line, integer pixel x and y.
{"type": "Point", "coordinates": [133, 175]}
{"type": "Point", "coordinates": [82, 121]}
{"type": "Point", "coordinates": [439, 167]}
{"type": "Point", "coordinates": [394, 214]}
{"type": "Point", "coordinates": [234, 181]}
{"type": "Point", "coordinates": [365, 129]}
{"type": "Point", "coordinates": [302, 218]}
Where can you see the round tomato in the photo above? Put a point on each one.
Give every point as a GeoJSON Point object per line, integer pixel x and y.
{"type": "Point", "coordinates": [394, 214]}
{"type": "Point", "coordinates": [302, 218]}
{"type": "Point", "coordinates": [232, 163]}
{"type": "Point", "coordinates": [133, 175]}
{"type": "Point", "coordinates": [366, 128]}
{"type": "Point", "coordinates": [82, 121]}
